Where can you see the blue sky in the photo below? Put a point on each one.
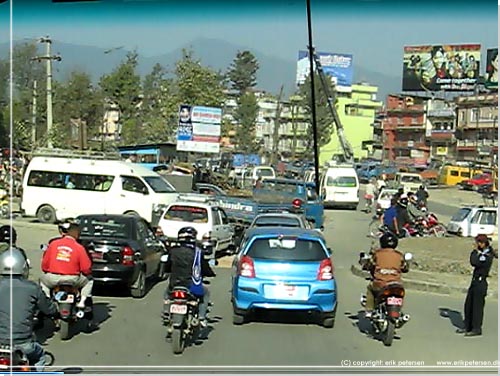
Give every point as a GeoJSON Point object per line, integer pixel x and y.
{"type": "Point", "coordinates": [374, 31]}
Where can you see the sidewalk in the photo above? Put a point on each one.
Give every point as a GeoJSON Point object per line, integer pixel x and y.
{"type": "Point", "coordinates": [455, 197]}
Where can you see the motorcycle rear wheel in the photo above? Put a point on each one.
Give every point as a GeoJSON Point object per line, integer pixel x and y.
{"type": "Point", "coordinates": [178, 341]}
{"type": "Point", "coordinates": [389, 334]}
{"type": "Point", "coordinates": [439, 231]}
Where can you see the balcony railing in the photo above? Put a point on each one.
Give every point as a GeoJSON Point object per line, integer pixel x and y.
{"type": "Point", "coordinates": [474, 143]}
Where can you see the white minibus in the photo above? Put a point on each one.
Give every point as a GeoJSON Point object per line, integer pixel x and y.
{"type": "Point", "coordinates": [57, 187]}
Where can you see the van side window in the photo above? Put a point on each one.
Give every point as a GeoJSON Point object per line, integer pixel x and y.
{"type": "Point", "coordinates": [465, 174]}
{"type": "Point", "coordinates": [133, 184]}
{"type": "Point", "coordinates": [85, 182]}
{"type": "Point", "coordinates": [453, 173]}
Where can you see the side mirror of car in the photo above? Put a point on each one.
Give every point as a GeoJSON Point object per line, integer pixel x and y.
{"type": "Point", "coordinates": [43, 247]}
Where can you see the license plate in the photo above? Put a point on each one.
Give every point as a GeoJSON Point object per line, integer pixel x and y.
{"type": "Point", "coordinates": [69, 299]}
{"type": "Point", "coordinates": [395, 301]}
{"type": "Point", "coordinates": [286, 291]}
{"type": "Point", "coordinates": [97, 256]}
{"type": "Point", "coordinates": [180, 309]}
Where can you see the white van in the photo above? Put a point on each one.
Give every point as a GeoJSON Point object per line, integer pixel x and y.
{"type": "Point", "coordinates": [251, 174]}
{"type": "Point", "coordinates": [340, 187]}
{"type": "Point", "coordinates": [58, 187]}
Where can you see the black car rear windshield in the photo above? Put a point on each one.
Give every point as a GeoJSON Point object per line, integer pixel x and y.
{"type": "Point", "coordinates": [105, 227]}
{"type": "Point", "coordinates": [277, 221]}
{"type": "Point", "coordinates": [287, 249]}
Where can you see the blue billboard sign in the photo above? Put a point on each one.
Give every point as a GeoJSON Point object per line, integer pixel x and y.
{"type": "Point", "coordinates": [337, 66]}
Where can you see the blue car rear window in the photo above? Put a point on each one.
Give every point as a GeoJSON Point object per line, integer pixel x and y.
{"type": "Point", "coordinates": [304, 250]}
{"type": "Point", "coordinates": [277, 221]}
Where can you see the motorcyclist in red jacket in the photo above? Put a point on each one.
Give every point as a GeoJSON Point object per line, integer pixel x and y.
{"type": "Point", "coordinates": [67, 261]}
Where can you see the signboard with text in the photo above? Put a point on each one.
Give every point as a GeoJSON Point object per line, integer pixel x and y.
{"type": "Point", "coordinates": [199, 129]}
{"type": "Point", "coordinates": [491, 78]}
{"type": "Point", "coordinates": [338, 66]}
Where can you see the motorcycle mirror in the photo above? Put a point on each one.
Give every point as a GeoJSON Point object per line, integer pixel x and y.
{"type": "Point", "coordinates": [408, 256]}
{"type": "Point", "coordinates": [362, 255]}
{"type": "Point", "coordinates": [43, 247]}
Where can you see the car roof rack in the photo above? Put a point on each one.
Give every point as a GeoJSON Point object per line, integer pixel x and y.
{"type": "Point", "coordinates": [76, 154]}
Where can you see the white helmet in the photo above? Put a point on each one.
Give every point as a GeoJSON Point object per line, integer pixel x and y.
{"type": "Point", "coordinates": [13, 262]}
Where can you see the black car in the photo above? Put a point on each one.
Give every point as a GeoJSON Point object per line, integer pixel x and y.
{"type": "Point", "coordinates": [124, 250]}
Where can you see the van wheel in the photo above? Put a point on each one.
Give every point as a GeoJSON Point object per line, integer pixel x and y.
{"type": "Point", "coordinates": [46, 214]}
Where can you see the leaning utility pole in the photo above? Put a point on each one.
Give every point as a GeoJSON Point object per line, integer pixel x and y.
{"type": "Point", "coordinates": [49, 59]}
{"type": "Point", "coordinates": [277, 123]}
{"type": "Point", "coordinates": [33, 118]}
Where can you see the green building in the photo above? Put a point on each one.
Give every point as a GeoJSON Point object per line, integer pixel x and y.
{"type": "Point", "coordinates": [357, 113]}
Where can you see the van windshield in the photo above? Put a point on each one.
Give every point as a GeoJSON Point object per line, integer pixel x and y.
{"type": "Point", "coordinates": [411, 179]}
{"type": "Point", "coordinates": [341, 181]}
{"type": "Point", "coordinates": [158, 184]}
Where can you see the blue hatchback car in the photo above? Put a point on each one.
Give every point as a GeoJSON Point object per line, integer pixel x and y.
{"type": "Point", "coordinates": [284, 269]}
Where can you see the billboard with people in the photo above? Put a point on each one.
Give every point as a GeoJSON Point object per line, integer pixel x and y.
{"type": "Point", "coordinates": [441, 67]}
{"type": "Point", "coordinates": [491, 78]}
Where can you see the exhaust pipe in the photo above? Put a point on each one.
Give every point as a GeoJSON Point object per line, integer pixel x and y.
{"type": "Point", "coordinates": [406, 318]}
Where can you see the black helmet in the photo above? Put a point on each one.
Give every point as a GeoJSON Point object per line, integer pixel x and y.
{"type": "Point", "coordinates": [388, 240]}
{"type": "Point", "coordinates": [8, 233]}
{"type": "Point", "coordinates": [68, 224]}
{"type": "Point", "coordinates": [187, 235]}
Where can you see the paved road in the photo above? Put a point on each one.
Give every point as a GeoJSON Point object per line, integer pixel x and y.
{"type": "Point", "coordinates": [131, 334]}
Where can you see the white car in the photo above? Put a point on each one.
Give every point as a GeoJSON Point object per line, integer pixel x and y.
{"type": "Point", "coordinates": [202, 213]}
{"type": "Point", "coordinates": [470, 221]}
{"type": "Point", "coordinates": [384, 197]}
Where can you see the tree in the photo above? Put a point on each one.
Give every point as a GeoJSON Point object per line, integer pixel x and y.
{"type": "Point", "coordinates": [159, 107]}
{"type": "Point", "coordinates": [246, 115]}
{"type": "Point", "coordinates": [243, 72]}
{"type": "Point", "coordinates": [25, 71]}
{"type": "Point", "coordinates": [123, 86]}
{"type": "Point", "coordinates": [324, 118]}
{"type": "Point", "coordinates": [76, 101]}
{"type": "Point", "coordinates": [197, 85]}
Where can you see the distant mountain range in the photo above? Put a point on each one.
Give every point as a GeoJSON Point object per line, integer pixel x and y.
{"type": "Point", "coordinates": [218, 54]}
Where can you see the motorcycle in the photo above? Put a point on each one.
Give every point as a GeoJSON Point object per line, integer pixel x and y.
{"type": "Point", "coordinates": [180, 316]}
{"type": "Point", "coordinates": [388, 315]}
{"type": "Point", "coordinates": [181, 310]}
{"type": "Point", "coordinates": [66, 297]}
{"type": "Point", "coordinates": [429, 225]}
{"type": "Point", "coordinates": [15, 360]}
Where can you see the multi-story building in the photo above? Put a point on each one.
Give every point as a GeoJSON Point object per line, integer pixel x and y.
{"type": "Point", "coordinates": [477, 127]}
{"type": "Point", "coordinates": [356, 111]}
{"type": "Point", "coordinates": [440, 129]}
{"type": "Point", "coordinates": [404, 130]}
{"type": "Point", "coordinates": [289, 132]}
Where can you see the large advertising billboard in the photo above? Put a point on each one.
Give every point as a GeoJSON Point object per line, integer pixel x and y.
{"type": "Point", "coordinates": [199, 129]}
{"type": "Point", "coordinates": [338, 66]}
{"type": "Point", "coordinates": [441, 67]}
{"type": "Point", "coordinates": [491, 78]}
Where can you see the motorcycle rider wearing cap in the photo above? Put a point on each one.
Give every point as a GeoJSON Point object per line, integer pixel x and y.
{"type": "Point", "coordinates": [187, 267]}
{"type": "Point", "coordinates": [28, 299]}
{"type": "Point", "coordinates": [385, 266]}
{"type": "Point", "coordinates": [67, 261]}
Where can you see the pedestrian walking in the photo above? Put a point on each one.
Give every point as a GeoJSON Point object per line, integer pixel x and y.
{"type": "Point", "coordinates": [481, 259]}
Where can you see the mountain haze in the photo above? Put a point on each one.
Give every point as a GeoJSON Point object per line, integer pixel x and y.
{"type": "Point", "coordinates": [217, 54]}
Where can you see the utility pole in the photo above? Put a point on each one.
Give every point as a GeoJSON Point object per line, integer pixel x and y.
{"type": "Point", "coordinates": [313, 99]}
{"type": "Point", "coordinates": [48, 58]}
{"type": "Point", "coordinates": [277, 123]}
{"type": "Point", "coordinates": [33, 118]}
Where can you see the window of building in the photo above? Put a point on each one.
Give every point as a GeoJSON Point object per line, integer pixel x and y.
{"type": "Point", "coordinates": [475, 114]}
